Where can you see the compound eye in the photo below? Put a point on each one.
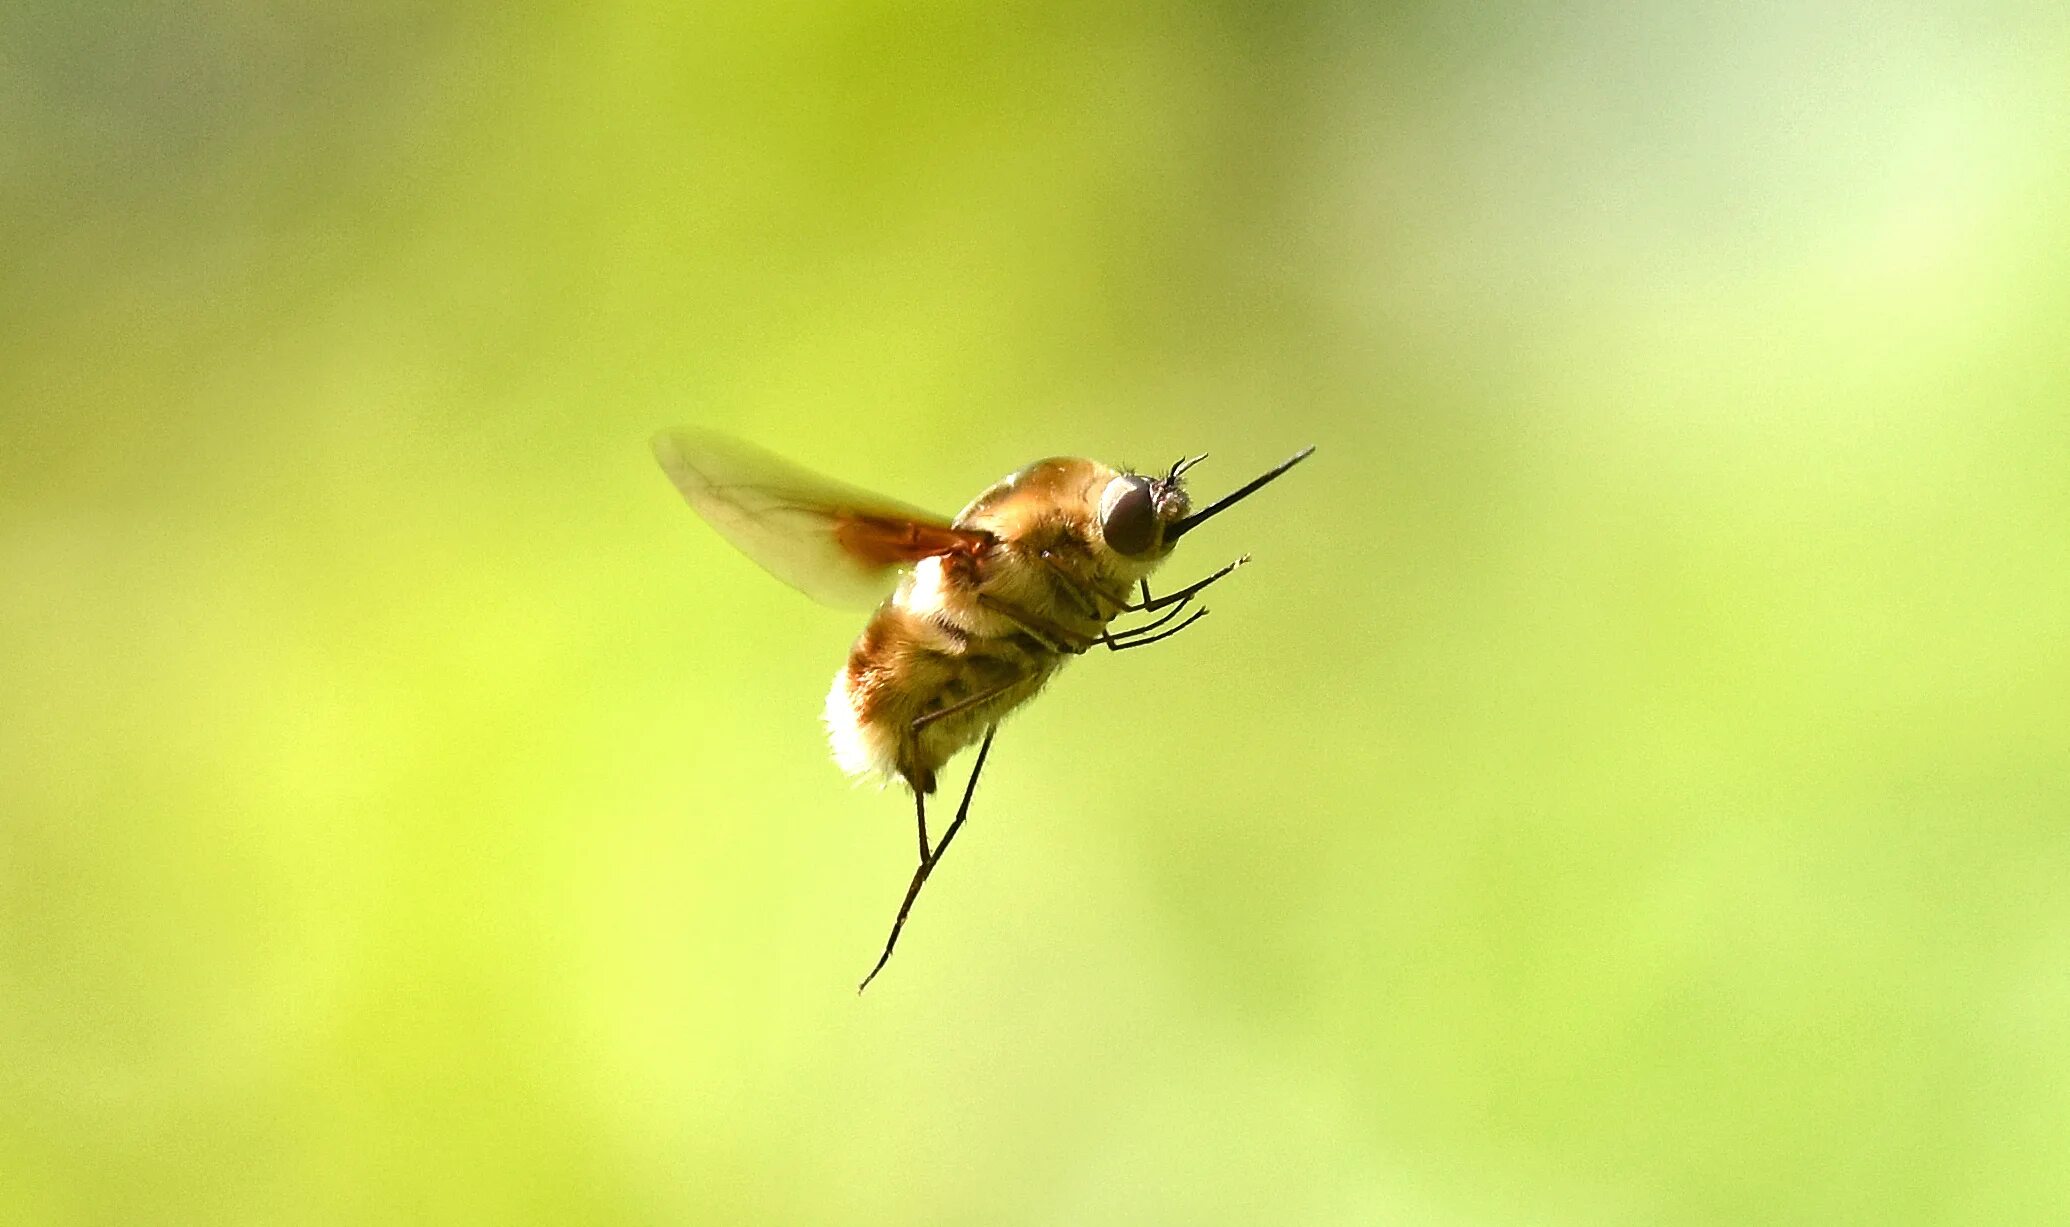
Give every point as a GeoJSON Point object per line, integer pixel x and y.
{"type": "Point", "coordinates": [1128, 517]}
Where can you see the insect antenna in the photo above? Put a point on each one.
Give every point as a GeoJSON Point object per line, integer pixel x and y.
{"type": "Point", "coordinates": [929, 860]}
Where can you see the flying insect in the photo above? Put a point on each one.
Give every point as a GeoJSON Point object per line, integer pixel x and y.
{"type": "Point", "coordinates": [989, 606]}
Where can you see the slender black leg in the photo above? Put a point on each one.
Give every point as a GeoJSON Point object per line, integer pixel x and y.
{"type": "Point", "coordinates": [964, 705]}
{"type": "Point", "coordinates": [1042, 628]}
{"type": "Point", "coordinates": [1111, 637]}
{"type": "Point", "coordinates": [969, 788]}
{"type": "Point", "coordinates": [1149, 606]}
{"type": "Point", "coordinates": [1198, 614]}
{"type": "Point", "coordinates": [928, 862]}
{"type": "Point", "coordinates": [1087, 603]}
{"type": "Point", "coordinates": [920, 811]}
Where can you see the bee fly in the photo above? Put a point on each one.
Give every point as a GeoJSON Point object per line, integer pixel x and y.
{"type": "Point", "coordinates": [1034, 570]}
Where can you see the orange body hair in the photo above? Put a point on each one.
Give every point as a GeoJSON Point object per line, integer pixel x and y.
{"type": "Point", "coordinates": [939, 663]}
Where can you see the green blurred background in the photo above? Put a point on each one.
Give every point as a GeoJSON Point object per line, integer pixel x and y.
{"type": "Point", "coordinates": [1630, 786]}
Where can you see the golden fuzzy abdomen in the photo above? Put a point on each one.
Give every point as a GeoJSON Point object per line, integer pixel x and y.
{"type": "Point", "coordinates": [958, 646]}
{"type": "Point", "coordinates": [907, 666]}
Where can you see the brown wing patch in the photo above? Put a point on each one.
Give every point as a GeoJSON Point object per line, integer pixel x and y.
{"type": "Point", "coordinates": [883, 541]}
{"type": "Point", "coordinates": [832, 541]}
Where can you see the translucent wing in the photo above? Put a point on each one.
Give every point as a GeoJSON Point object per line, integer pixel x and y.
{"type": "Point", "coordinates": [834, 543]}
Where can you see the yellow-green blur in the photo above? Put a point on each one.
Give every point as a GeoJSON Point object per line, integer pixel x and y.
{"type": "Point", "coordinates": [1630, 786]}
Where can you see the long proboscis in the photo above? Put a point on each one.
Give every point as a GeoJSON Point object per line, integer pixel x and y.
{"type": "Point", "coordinates": [1180, 528]}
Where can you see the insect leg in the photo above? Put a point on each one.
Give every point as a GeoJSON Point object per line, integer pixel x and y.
{"type": "Point", "coordinates": [1147, 627]}
{"type": "Point", "coordinates": [1198, 614]}
{"type": "Point", "coordinates": [962, 705]}
{"type": "Point", "coordinates": [1149, 605]}
{"type": "Point", "coordinates": [927, 863]}
{"type": "Point", "coordinates": [1060, 639]}
{"type": "Point", "coordinates": [1087, 593]}
{"type": "Point", "coordinates": [920, 811]}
